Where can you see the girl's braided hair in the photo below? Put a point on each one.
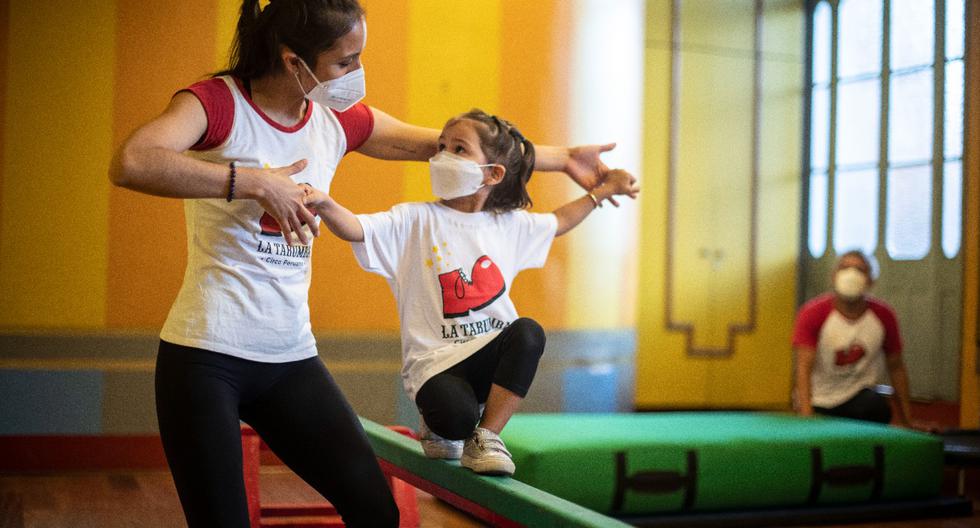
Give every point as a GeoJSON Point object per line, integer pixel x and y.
{"type": "Point", "coordinates": [502, 143]}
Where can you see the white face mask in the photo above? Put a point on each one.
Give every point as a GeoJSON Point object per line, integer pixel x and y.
{"type": "Point", "coordinates": [850, 283]}
{"type": "Point", "coordinates": [339, 94]}
{"type": "Point", "coordinates": [453, 176]}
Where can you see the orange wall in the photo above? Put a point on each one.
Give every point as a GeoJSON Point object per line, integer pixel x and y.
{"type": "Point", "coordinates": [146, 234]}
{"type": "Point", "coordinates": [534, 83]}
{"type": "Point", "coordinates": [344, 297]}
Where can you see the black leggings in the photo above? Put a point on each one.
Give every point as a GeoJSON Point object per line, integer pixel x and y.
{"type": "Point", "coordinates": [866, 405]}
{"type": "Point", "coordinates": [296, 408]}
{"type": "Point", "coordinates": [450, 401]}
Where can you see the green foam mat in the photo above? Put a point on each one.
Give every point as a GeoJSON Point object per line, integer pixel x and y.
{"type": "Point", "coordinates": [645, 463]}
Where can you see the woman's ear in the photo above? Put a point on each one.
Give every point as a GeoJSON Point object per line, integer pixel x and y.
{"type": "Point", "coordinates": [495, 176]}
{"type": "Point", "coordinates": [290, 59]}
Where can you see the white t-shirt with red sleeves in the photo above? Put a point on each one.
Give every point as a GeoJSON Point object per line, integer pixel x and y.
{"type": "Point", "coordinates": [245, 291]}
{"type": "Point", "coordinates": [451, 274]}
{"type": "Point", "coordinates": [849, 353]}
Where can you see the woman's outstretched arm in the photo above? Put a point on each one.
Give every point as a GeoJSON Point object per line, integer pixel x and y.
{"type": "Point", "coordinates": [393, 139]}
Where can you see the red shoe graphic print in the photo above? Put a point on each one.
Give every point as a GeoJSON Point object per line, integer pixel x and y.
{"type": "Point", "coordinates": [270, 227]}
{"type": "Point", "coordinates": [852, 355]}
{"type": "Point", "coordinates": [461, 295]}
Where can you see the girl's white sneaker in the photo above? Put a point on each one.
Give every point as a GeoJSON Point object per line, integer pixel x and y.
{"type": "Point", "coordinates": [484, 453]}
{"type": "Point", "coordinates": [435, 446]}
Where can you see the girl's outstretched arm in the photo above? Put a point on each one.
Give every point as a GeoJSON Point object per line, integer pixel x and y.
{"type": "Point", "coordinates": [340, 221]}
{"type": "Point", "coordinates": [613, 183]}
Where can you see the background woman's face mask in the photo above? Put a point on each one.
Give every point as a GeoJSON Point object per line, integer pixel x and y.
{"type": "Point", "coordinates": [338, 94]}
{"type": "Point", "coordinates": [850, 283]}
{"type": "Point", "coordinates": [453, 176]}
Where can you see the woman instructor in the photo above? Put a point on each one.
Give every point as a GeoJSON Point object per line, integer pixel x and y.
{"type": "Point", "coordinates": [237, 344]}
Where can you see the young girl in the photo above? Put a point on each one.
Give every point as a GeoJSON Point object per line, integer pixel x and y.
{"type": "Point", "coordinates": [450, 264]}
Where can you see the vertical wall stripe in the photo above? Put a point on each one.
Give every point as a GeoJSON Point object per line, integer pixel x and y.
{"type": "Point", "coordinates": [4, 49]}
{"type": "Point", "coordinates": [664, 375]}
{"type": "Point", "coordinates": [534, 95]}
{"type": "Point", "coordinates": [454, 58]}
{"type": "Point", "coordinates": [57, 143]}
{"type": "Point", "coordinates": [226, 17]}
{"type": "Point", "coordinates": [969, 376]}
{"type": "Point", "coordinates": [606, 88]}
{"type": "Point", "coordinates": [344, 297]}
{"type": "Point", "coordinates": [147, 251]}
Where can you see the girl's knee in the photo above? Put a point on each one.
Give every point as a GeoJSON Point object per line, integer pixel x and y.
{"type": "Point", "coordinates": [455, 424]}
{"type": "Point", "coordinates": [530, 333]}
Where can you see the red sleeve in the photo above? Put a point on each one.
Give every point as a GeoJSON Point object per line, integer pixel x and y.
{"type": "Point", "coordinates": [358, 123]}
{"type": "Point", "coordinates": [810, 319]}
{"type": "Point", "coordinates": [219, 108]}
{"type": "Point", "coordinates": [885, 314]}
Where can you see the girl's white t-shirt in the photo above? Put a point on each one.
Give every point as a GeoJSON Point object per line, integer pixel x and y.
{"type": "Point", "coordinates": [451, 274]}
{"type": "Point", "coordinates": [245, 291]}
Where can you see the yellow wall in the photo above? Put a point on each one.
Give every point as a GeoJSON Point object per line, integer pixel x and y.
{"type": "Point", "coordinates": [80, 254]}
{"type": "Point", "coordinates": [699, 279]}
{"type": "Point", "coordinates": [57, 139]}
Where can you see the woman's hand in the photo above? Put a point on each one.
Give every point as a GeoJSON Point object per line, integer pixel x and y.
{"type": "Point", "coordinates": [284, 200]}
{"type": "Point", "coordinates": [585, 166]}
{"type": "Point", "coordinates": [582, 163]}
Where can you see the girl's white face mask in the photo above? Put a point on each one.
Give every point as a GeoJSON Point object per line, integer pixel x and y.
{"type": "Point", "coordinates": [338, 94]}
{"type": "Point", "coordinates": [850, 283]}
{"type": "Point", "coordinates": [453, 176]}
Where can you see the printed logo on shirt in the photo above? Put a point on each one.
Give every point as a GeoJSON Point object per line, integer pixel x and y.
{"type": "Point", "coordinates": [281, 254]}
{"type": "Point", "coordinates": [462, 295]}
{"type": "Point", "coordinates": [463, 332]}
{"type": "Point", "coordinates": [270, 227]}
{"type": "Point", "coordinates": [852, 355]}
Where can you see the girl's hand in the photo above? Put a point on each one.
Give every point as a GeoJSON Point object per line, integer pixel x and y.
{"type": "Point", "coordinates": [314, 198]}
{"type": "Point", "coordinates": [283, 200]}
{"type": "Point", "coordinates": [617, 182]}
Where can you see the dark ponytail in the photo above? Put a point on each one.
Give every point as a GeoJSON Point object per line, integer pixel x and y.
{"type": "Point", "coordinates": [502, 143]}
{"type": "Point", "coordinates": [308, 27]}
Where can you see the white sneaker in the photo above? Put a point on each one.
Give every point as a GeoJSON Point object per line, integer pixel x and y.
{"type": "Point", "coordinates": [484, 453]}
{"type": "Point", "coordinates": [435, 446]}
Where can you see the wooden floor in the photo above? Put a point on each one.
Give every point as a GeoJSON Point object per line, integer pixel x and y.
{"type": "Point", "coordinates": [148, 500]}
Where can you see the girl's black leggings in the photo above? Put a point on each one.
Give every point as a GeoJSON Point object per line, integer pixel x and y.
{"type": "Point", "coordinates": [296, 408]}
{"type": "Point", "coordinates": [450, 401]}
